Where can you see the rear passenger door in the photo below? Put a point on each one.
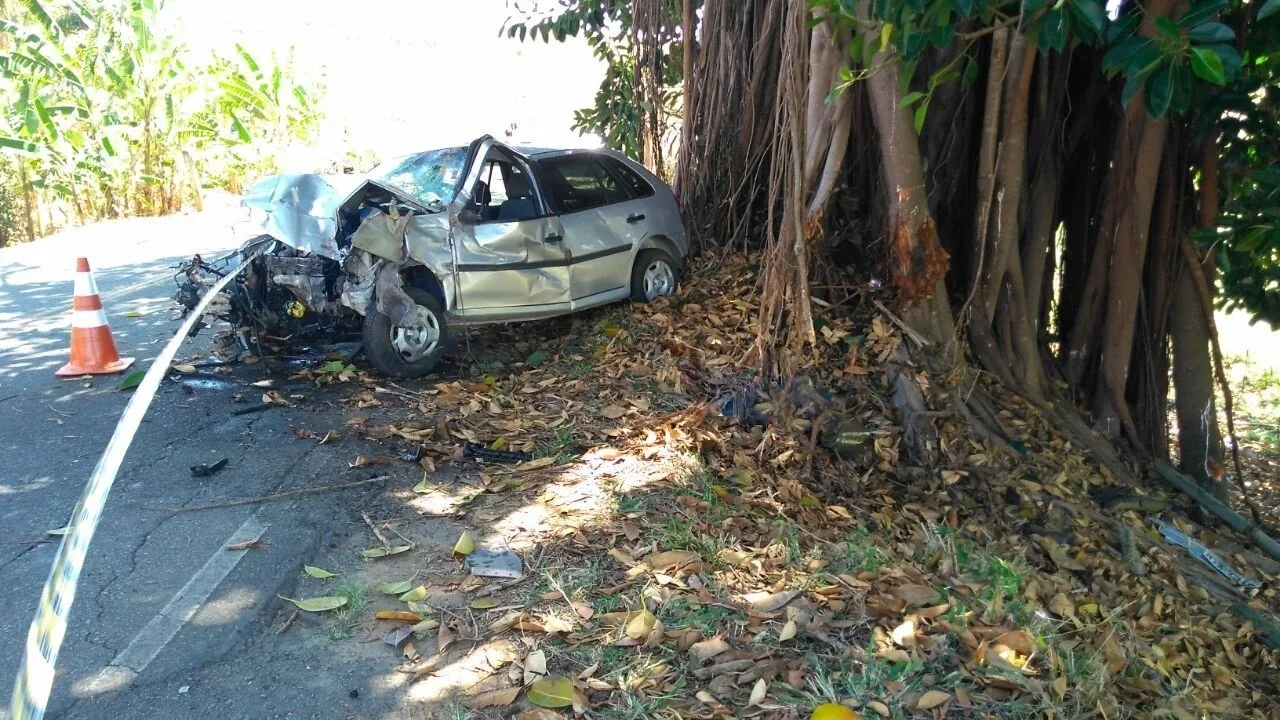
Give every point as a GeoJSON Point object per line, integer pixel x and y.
{"type": "Point", "coordinates": [601, 221]}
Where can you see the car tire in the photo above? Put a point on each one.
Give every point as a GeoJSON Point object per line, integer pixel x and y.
{"type": "Point", "coordinates": [399, 352]}
{"type": "Point", "coordinates": [654, 266]}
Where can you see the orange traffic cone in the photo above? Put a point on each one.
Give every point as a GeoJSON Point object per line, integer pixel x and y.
{"type": "Point", "coordinates": [93, 351]}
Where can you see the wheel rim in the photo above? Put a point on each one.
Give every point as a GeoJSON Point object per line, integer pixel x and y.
{"type": "Point", "coordinates": [419, 340]}
{"type": "Point", "coordinates": [659, 280]}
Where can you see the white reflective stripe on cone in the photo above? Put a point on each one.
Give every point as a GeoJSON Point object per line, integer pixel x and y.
{"type": "Point", "coordinates": [88, 318]}
{"type": "Point", "coordinates": [85, 286]}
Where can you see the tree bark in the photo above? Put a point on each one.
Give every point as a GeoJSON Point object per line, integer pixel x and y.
{"type": "Point", "coordinates": [1199, 441]}
{"type": "Point", "coordinates": [688, 27]}
{"type": "Point", "coordinates": [1199, 438]}
{"type": "Point", "coordinates": [919, 263]}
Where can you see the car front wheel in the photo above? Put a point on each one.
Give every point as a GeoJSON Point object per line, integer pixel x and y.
{"type": "Point", "coordinates": [653, 276]}
{"type": "Point", "coordinates": [407, 351]}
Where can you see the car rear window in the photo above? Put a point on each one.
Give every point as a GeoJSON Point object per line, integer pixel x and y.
{"type": "Point", "coordinates": [639, 186]}
{"type": "Point", "coordinates": [580, 182]}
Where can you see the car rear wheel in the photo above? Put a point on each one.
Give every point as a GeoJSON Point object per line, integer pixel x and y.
{"type": "Point", "coordinates": [653, 276]}
{"type": "Point", "coordinates": [407, 351]}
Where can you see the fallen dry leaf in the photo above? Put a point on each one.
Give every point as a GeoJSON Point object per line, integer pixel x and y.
{"type": "Point", "coordinates": [916, 595]}
{"type": "Point", "coordinates": [758, 692]}
{"type": "Point", "coordinates": [670, 558]}
{"type": "Point", "coordinates": [932, 699]}
{"type": "Point", "coordinates": [769, 602]}
{"type": "Point", "coordinates": [708, 648]}
{"type": "Point", "coordinates": [1062, 606]}
{"type": "Point", "coordinates": [535, 666]}
{"type": "Point", "coordinates": [539, 714]}
{"type": "Point", "coordinates": [398, 615]}
{"type": "Point", "coordinates": [641, 624]}
{"type": "Point", "coordinates": [247, 545]}
{"type": "Point", "coordinates": [494, 698]}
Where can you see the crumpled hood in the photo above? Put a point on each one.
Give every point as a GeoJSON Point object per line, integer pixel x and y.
{"type": "Point", "coordinates": [301, 210]}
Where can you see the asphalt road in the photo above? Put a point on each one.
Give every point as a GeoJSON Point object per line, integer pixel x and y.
{"type": "Point", "coordinates": [161, 604]}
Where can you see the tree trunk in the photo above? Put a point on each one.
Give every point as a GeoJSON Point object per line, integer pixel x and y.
{"type": "Point", "coordinates": [689, 22]}
{"type": "Point", "coordinates": [918, 261]}
{"type": "Point", "coordinates": [1199, 438]}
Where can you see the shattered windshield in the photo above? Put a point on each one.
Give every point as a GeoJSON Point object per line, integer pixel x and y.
{"type": "Point", "coordinates": [429, 177]}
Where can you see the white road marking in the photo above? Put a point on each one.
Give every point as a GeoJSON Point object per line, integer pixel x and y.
{"type": "Point", "coordinates": [152, 639]}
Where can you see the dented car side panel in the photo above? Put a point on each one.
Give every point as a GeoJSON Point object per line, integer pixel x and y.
{"type": "Point", "coordinates": [509, 264]}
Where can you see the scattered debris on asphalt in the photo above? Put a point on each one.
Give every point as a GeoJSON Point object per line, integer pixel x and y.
{"type": "Point", "coordinates": [480, 452]}
{"type": "Point", "coordinates": [487, 563]}
{"type": "Point", "coordinates": [204, 470]}
{"type": "Point", "coordinates": [253, 408]}
{"type": "Point", "coordinates": [272, 497]}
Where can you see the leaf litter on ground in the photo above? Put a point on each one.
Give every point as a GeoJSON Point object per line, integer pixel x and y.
{"type": "Point", "coordinates": [750, 550]}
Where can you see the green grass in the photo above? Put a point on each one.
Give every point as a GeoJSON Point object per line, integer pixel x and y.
{"type": "Point", "coordinates": [680, 613]}
{"type": "Point", "coordinates": [455, 710]}
{"type": "Point", "coordinates": [1004, 578]}
{"type": "Point", "coordinates": [347, 617]}
{"type": "Point", "coordinates": [861, 553]}
{"type": "Point", "coordinates": [628, 669]}
{"type": "Point", "coordinates": [566, 443]}
{"type": "Point", "coordinates": [833, 682]}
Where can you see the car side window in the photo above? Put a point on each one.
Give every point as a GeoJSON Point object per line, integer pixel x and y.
{"type": "Point", "coordinates": [639, 187]}
{"type": "Point", "coordinates": [494, 174]}
{"type": "Point", "coordinates": [580, 182]}
{"type": "Point", "coordinates": [504, 193]}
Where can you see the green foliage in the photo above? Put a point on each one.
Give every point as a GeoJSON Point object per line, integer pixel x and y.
{"type": "Point", "coordinates": [11, 207]}
{"type": "Point", "coordinates": [1245, 115]}
{"type": "Point", "coordinates": [110, 117]}
{"type": "Point", "coordinates": [618, 114]}
{"type": "Point", "coordinates": [1166, 64]}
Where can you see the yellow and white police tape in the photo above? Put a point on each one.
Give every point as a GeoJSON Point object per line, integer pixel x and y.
{"type": "Point", "coordinates": [44, 639]}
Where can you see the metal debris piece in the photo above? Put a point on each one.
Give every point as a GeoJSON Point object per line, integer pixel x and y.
{"type": "Point", "coordinates": [205, 470]}
{"type": "Point", "coordinates": [399, 635]}
{"type": "Point", "coordinates": [481, 452]}
{"type": "Point", "coordinates": [1198, 551]}
{"type": "Point", "coordinates": [503, 564]}
{"type": "Point", "coordinates": [414, 455]}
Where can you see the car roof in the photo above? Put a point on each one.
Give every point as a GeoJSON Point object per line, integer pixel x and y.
{"type": "Point", "coordinates": [541, 153]}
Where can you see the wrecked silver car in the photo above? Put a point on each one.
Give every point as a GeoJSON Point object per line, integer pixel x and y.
{"type": "Point", "coordinates": [446, 238]}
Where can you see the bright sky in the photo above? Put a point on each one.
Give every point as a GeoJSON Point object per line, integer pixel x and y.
{"type": "Point", "coordinates": [405, 75]}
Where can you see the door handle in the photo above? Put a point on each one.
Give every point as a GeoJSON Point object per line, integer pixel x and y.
{"type": "Point", "coordinates": [553, 238]}
{"type": "Point", "coordinates": [634, 218]}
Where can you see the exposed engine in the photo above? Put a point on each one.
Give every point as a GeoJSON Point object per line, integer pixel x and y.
{"type": "Point", "coordinates": [288, 293]}
{"type": "Point", "coordinates": [284, 293]}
